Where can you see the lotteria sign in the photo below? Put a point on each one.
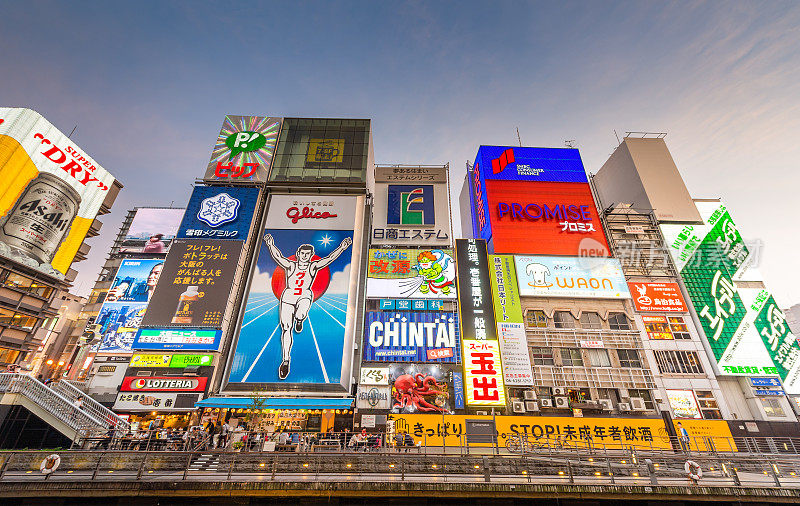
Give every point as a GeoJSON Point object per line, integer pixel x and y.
{"type": "Point", "coordinates": [412, 337]}
{"type": "Point", "coordinates": [163, 384]}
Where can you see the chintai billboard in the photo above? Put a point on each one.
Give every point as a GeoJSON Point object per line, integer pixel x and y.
{"type": "Point", "coordinates": [300, 310]}
{"type": "Point", "coordinates": [411, 337]}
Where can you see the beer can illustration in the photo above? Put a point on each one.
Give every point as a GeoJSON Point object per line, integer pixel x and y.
{"type": "Point", "coordinates": [41, 218]}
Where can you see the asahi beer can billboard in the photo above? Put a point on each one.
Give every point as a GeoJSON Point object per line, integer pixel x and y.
{"type": "Point", "coordinates": [50, 192]}
{"type": "Point", "coordinates": [299, 317]}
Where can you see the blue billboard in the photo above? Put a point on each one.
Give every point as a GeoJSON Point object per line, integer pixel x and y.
{"type": "Point", "coordinates": [216, 212]}
{"type": "Point", "coordinates": [412, 337]}
{"type": "Point", "coordinates": [178, 339]}
{"type": "Point", "coordinates": [509, 163]}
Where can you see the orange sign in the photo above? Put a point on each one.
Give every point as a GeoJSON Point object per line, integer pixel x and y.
{"type": "Point", "coordinates": [546, 218]}
{"type": "Point", "coordinates": [657, 297]}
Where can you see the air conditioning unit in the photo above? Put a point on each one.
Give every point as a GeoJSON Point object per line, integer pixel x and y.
{"type": "Point", "coordinates": [559, 391]}
{"type": "Point", "coordinates": [530, 395]}
{"type": "Point", "coordinates": [637, 403]}
{"type": "Point", "coordinates": [482, 413]}
{"type": "Point", "coordinates": [546, 403]}
{"type": "Point", "coordinates": [624, 406]}
{"type": "Point", "coordinates": [607, 404]}
{"type": "Point", "coordinates": [531, 406]}
{"type": "Point", "coordinates": [518, 407]}
{"type": "Point", "coordinates": [562, 402]}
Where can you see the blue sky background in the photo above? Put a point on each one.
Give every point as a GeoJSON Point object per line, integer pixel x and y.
{"type": "Point", "coordinates": [148, 83]}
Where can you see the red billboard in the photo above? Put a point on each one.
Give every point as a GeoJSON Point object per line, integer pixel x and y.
{"type": "Point", "coordinates": [546, 218]}
{"type": "Point", "coordinates": [164, 384]}
{"type": "Point", "coordinates": [657, 297]}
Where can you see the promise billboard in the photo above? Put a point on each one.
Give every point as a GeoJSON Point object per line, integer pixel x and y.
{"type": "Point", "coordinates": [50, 192]}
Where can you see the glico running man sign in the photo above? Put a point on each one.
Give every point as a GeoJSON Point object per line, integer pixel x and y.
{"type": "Point", "coordinates": [299, 314]}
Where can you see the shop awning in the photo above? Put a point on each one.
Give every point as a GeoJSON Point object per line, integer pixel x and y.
{"type": "Point", "coordinates": [278, 403]}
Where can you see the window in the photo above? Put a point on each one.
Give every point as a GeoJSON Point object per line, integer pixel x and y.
{"type": "Point", "coordinates": [708, 405]}
{"type": "Point", "coordinates": [8, 356]}
{"type": "Point", "coordinates": [26, 284]}
{"type": "Point", "coordinates": [542, 356]}
{"type": "Point", "coordinates": [571, 357]}
{"type": "Point", "coordinates": [629, 358]}
{"type": "Point", "coordinates": [772, 407]}
{"type": "Point", "coordinates": [591, 321]}
{"type": "Point", "coordinates": [564, 320]}
{"type": "Point", "coordinates": [678, 328]}
{"type": "Point", "coordinates": [678, 362]}
{"type": "Point", "coordinates": [599, 357]}
{"type": "Point", "coordinates": [536, 318]}
{"type": "Point", "coordinates": [644, 394]}
{"type": "Point", "coordinates": [618, 321]}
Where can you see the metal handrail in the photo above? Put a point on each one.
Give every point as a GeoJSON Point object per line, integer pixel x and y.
{"type": "Point", "coordinates": [97, 410]}
{"type": "Point", "coordinates": [56, 404]}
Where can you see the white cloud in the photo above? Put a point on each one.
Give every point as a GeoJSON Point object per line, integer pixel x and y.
{"type": "Point", "coordinates": [340, 281]}
{"type": "Point", "coordinates": [262, 282]}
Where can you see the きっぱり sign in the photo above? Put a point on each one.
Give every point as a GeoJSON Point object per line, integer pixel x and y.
{"type": "Point", "coordinates": [657, 297]}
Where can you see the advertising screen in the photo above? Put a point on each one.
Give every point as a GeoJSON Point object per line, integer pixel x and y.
{"type": "Point", "coordinates": [744, 327]}
{"type": "Point", "coordinates": [163, 384]}
{"type": "Point", "coordinates": [683, 404]}
{"type": "Point", "coordinates": [510, 326]}
{"type": "Point", "coordinates": [664, 297]}
{"type": "Point", "coordinates": [244, 149]}
{"type": "Point", "coordinates": [148, 401]}
{"type": "Point", "coordinates": [174, 361]}
{"type": "Point", "coordinates": [126, 302]}
{"type": "Point", "coordinates": [483, 373]}
{"type": "Point", "coordinates": [195, 285]}
{"type": "Point", "coordinates": [217, 212]}
{"type": "Point", "coordinates": [152, 230]}
{"type": "Point", "coordinates": [507, 169]}
{"type": "Point", "coordinates": [416, 207]}
{"type": "Point", "coordinates": [544, 218]}
{"type": "Point", "coordinates": [177, 339]}
{"type": "Point", "coordinates": [298, 318]}
{"type": "Point", "coordinates": [411, 337]}
{"type": "Point", "coordinates": [475, 307]}
{"type": "Point", "coordinates": [425, 388]}
{"type": "Point", "coordinates": [411, 273]}
{"type": "Point", "coordinates": [543, 276]}
{"type": "Point", "coordinates": [50, 192]}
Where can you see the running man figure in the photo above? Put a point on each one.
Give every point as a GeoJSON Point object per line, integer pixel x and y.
{"type": "Point", "coordinates": [297, 297]}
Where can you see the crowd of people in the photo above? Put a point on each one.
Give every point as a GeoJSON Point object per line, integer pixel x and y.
{"type": "Point", "coordinates": [222, 436]}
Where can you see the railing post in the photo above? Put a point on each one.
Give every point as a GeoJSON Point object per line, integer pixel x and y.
{"type": "Point", "coordinates": [610, 472]}
{"type": "Point", "coordinates": [188, 463]}
{"type": "Point", "coordinates": [569, 469]}
{"type": "Point", "coordinates": [141, 467]}
{"type": "Point", "coordinates": [774, 469]}
{"type": "Point", "coordinates": [735, 475]}
{"type": "Point", "coordinates": [487, 472]}
{"type": "Point", "coordinates": [97, 467]}
{"type": "Point", "coordinates": [233, 461]}
{"type": "Point", "coordinates": [5, 464]}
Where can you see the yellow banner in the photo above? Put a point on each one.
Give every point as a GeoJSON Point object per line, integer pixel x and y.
{"type": "Point", "coordinates": [571, 432]}
{"type": "Point", "coordinates": [140, 360]}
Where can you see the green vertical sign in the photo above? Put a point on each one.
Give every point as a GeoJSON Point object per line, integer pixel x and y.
{"type": "Point", "coordinates": [505, 292]}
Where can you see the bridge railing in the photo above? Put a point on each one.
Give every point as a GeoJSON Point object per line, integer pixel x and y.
{"type": "Point", "coordinates": [59, 406]}
{"type": "Point", "coordinates": [98, 411]}
{"type": "Point", "coordinates": [599, 469]}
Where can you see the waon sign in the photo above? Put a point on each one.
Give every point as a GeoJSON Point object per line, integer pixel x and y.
{"type": "Point", "coordinates": [483, 371]}
{"type": "Point", "coordinates": [664, 297]}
